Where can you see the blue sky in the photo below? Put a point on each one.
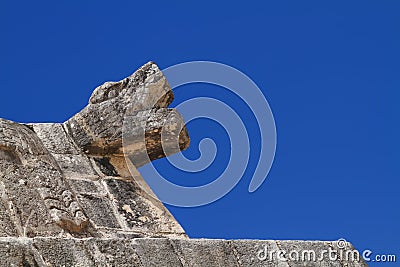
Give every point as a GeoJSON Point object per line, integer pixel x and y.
{"type": "Point", "coordinates": [330, 72]}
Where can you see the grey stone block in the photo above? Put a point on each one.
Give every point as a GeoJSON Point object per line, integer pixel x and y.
{"type": "Point", "coordinates": [297, 253]}
{"type": "Point", "coordinates": [84, 186]}
{"type": "Point", "coordinates": [63, 252]}
{"type": "Point", "coordinates": [99, 210]}
{"type": "Point", "coordinates": [54, 138]}
{"type": "Point", "coordinates": [113, 252]}
{"type": "Point", "coordinates": [141, 211]}
{"type": "Point", "coordinates": [205, 252]}
{"type": "Point", "coordinates": [7, 226]}
{"type": "Point", "coordinates": [256, 253]}
{"type": "Point", "coordinates": [17, 252]}
{"type": "Point", "coordinates": [156, 252]}
{"type": "Point", "coordinates": [75, 166]}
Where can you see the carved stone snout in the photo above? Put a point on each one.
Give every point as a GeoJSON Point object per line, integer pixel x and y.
{"type": "Point", "coordinates": [134, 108]}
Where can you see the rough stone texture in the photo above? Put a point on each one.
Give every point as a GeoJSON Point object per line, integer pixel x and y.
{"type": "Point", "coordinates": [143, 97]}
{"type": "Point", "coordinates": [45, 251]}
{"type": "Point", "coordinates": [68, 197]}
{"type": "Point", "coordinates": [71, 179]}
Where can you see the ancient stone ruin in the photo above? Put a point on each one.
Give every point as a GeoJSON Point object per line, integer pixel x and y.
{"type": "Point", "coordinates": [68, 197]}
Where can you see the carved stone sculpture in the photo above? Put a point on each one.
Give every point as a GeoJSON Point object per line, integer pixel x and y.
{"type": "Point", "coordinates": [68, 197]}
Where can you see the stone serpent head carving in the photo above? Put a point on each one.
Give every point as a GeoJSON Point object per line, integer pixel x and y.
{"type": "Point", "coordinates": [72, 178]}
{"type": "Point", "coordinates": [141, 98]}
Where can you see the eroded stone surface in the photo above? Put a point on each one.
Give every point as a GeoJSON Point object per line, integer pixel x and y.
{"type": "Point", "coordinates": [143, 252]}
{"type": "Point", "coordinates": [34, 192]}
{"type": "Point", "coordinates": [68, 198]}
{"type": "Point", "coordinates": [97, 129]}
{"type": "Point", "coordinates": [71, 179]}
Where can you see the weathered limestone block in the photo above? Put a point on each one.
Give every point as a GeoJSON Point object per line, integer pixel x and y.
{"type": "Point", "coordinates": [246, 253]}
{"type": "Point", "coordinates": [33, 190]}
{"type": "Point", "coordinates": [17, 252]}
{"type": "Point", "coordinates": [113, 252]}
{"type": "Point", "coordinates": [69, 252]}
{"type": "Point", "coordinates": [75, 166]}
{"type": "Point", "coordinates": [7, 227]}
{"type": "Point", "coordinates": [55, 139]}
{"type": "Point", "coordinates": [141, 212]}
{"type": "Point", "coordinates": [205, 252]}
{"type": "Point", "coordinates": [145, 252]}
